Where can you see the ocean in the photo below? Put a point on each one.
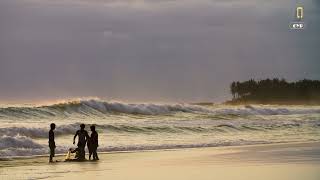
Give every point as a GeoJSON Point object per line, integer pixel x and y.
{"type": "Point", "coordinates": [147, 126]}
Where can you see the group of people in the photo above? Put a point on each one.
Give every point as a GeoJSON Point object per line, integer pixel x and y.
{"type": "Point", "coordinates": [83, 140]}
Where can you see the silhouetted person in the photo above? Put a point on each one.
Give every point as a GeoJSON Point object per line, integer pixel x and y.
{"type": "Point", "coordinates": [93, 143]}
{"type": "Point", "coordinates": [52, 144]}
{"type": "Point", "coordinates": [82, 140]}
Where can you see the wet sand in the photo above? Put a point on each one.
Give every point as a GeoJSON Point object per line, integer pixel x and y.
{"type": "Point", "coordinates": [294, 161]}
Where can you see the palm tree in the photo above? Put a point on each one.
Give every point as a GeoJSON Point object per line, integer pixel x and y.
{"type": "Point", "coordinates": [233, 90]}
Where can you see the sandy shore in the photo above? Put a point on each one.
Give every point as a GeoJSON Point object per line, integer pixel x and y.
{"type": "Point", "coordinates": [294, 161]}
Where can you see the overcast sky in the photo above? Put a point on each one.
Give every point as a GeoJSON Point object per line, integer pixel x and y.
{"type": "Point", "coordinates": [151, 50]}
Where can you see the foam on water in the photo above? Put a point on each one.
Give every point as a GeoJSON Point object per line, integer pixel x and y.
{"type": "Point", "coordinates": [18, 142]}
{"type": "Point", "coordinates": [94, 107]}
{"type": "Point", "coordinates": [23, 146]}
{"type": "Point", "coordinates": [219, 127]}
{"type": "Point", "coordinates": [147, 126]}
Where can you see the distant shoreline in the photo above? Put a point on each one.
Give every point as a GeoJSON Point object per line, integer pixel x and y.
{"type": "Point", "coordinates": [248, 102]}
{"type": "Point", "coordinates": [275, 92]}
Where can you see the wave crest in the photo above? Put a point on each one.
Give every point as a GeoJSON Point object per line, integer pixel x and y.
{"type": "Point", "coordinates": [18, 142]}
{"type": "Point", "coordinates": [36, 149]}
{"type": "Point", "coordinates": [219, 127]}
{"type": "Point", "coordinates": [95, 107]}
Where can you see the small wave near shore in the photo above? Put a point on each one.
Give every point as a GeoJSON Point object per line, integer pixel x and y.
{"type": "Point", "coordinates": [151, 126]}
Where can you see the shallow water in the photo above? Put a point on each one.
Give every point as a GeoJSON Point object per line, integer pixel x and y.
{"type": "Point", "coordinates": [24, 129]}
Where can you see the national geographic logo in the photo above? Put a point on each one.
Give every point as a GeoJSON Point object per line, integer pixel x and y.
{"type": "Point", "coordinates": [298, 24]}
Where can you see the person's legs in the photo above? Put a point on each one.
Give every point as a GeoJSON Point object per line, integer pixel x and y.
{"type": "Point", "coordinates": [51, 154]}
{"type": "Point", "coordinates": [95, 155]}
{"type": "Point", "coordinates": [82, 153]}
{"type": "Point", "coordinates": [90, 153]}
{"type": "Point", "coordinates": [90, 150]}
{"type": "Point", "coordinates": [50, 158]}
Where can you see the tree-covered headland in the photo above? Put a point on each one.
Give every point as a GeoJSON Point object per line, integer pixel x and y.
{"type": "Point", "coordinates": [275, 91]}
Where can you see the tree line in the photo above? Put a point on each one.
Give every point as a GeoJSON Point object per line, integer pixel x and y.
{"type": "Point", "coordinates": [276, 91]}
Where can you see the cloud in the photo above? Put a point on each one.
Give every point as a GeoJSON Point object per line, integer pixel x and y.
{"type": "Point", "coordinates": [158, 51]}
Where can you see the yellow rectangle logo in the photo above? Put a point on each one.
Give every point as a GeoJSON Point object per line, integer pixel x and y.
{"type": "Point", "coordinates": [299, 12]}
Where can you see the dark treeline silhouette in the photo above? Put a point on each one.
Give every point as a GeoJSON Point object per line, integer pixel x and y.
{"type": "Point", "coordinates": [276, 91]}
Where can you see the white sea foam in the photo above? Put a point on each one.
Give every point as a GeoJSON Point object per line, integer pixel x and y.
{"type": "Point", "coordinates": [147, 109]}
{"type": "Point", "coordinates": [18, 142]}
{"type": "Point", "coordinates": [35, 132]}
{"type": "Point", "coordinates": [147, 126]}
{"type": "Point", "coordinates": [266, 110]}
{"type": "Point", "coordinates": [158, 109]}
{"type": "Point", "coordinates": [37, 149]}
{"type": "Point", "coordinates": [98, 107]}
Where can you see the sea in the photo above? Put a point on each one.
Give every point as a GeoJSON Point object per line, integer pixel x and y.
{"type": "Point", "coordinates": [153, 126]}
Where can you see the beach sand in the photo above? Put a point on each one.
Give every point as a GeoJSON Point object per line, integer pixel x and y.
{"type": "Point", "coordinates": [294, 161]}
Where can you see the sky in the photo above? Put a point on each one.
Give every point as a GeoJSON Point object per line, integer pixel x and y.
{"type": "Point", "coordinates": [151, 50]}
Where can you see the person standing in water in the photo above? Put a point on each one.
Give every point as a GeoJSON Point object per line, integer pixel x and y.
{"type": "Point", "coordinates": [93, 143]}
{"type": "Point", "coordinates": [82, 140]}
{"type": "Point", "coordinates": [52, 144]}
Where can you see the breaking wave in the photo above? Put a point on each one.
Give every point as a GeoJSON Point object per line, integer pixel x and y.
{"type": "Point", "coordinates": [18, 142]}
{"type": "Point", "coordinates": [100, 108]}
{"type": "Point", "coordinates": [134, 129]}
{"type": "Point", "coordinates": [38, 132]}
{"type": "Point", "coordinates": [24, 129]}
{"type": "Point", "coordinates": [23, 146]}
